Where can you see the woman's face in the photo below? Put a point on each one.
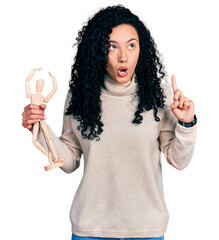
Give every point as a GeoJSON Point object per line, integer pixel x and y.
{"type": "Point", "coordinates": [123, 53]}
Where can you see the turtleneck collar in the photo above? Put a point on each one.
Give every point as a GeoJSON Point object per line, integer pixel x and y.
{"type": "Point", "coordinates": [112, 87]}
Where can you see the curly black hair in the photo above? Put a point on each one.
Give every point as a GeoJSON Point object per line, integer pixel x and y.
{"type": "Point", "coordinates": [87, 72]}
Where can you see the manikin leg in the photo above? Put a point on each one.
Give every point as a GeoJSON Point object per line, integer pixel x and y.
{"type": "Point", "coordinates": [37, 144]}
{"type": "Point", "coordinates": [49, 140]}
{"type": "Point", "coordinates": [52, 165]}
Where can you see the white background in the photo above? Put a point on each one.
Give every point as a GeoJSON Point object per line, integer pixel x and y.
{"type": "Point", "coordinates": [35, 204]}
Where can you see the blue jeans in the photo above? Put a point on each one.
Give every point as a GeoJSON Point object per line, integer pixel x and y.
{"type": "Point", "coordinates": [75, 237]}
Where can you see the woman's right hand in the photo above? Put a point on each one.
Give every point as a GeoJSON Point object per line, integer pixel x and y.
{"type": "Point", "coordinates": [33, 113]}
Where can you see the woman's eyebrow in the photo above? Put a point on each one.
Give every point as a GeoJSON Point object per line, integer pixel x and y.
{"type": "Point", "coordinates": [132, 39]}
{"type": "Point", "coordinates": [112, 41]}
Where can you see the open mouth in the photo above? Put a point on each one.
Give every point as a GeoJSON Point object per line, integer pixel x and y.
{"type": "Point", "coordinates": [123, 71]}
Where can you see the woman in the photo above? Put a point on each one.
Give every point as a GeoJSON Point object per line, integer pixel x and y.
{"type": "Point", "coordinates": [116, 114]}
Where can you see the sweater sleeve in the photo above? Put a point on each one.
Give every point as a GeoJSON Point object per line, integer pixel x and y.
{"type": "Point", "coordinates": [67, 145]}
{"type": "Point", "coordinates": [176, 141]}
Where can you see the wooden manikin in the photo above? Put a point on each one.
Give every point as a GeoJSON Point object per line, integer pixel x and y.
{"type": "Point", "coordinates": [38, 99]}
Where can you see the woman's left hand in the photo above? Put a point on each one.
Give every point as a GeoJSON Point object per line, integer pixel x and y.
{"type": "Point", "coordinates": [182, 107]}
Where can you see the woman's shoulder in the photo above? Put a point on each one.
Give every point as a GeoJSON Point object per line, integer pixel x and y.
{"type": "Point", "coordinates": [67, 99]}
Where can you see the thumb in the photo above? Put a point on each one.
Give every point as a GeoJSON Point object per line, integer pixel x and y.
{"type": "Point", "coordinates": [43, 106]}
{"type": "Point", "coordinates": [174, 104]}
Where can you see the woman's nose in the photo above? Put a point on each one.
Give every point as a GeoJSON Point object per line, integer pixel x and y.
{"type": "Point", "coordinates": [122, 56]}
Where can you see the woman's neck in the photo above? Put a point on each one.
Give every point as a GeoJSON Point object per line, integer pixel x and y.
{"type": "Point", "coordinates": [112, 87]}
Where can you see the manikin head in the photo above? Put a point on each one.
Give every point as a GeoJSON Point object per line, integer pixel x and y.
{"type": "Point", "coordinates": [40, 85]}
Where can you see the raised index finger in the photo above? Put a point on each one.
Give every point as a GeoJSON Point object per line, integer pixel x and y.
{"type": "Point", "coordinates": [173, 79]}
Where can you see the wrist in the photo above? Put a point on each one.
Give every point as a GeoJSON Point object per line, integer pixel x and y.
{"type": "Point", "coordinates": [190, 120]}
{"type": "Point", "coordinates": [188, 124]}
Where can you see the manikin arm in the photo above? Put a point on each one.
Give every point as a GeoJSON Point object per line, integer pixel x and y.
{"type": "Point", "coordinates": [27, 83]}
{"type": "Point", "coordinates": [54, 83]}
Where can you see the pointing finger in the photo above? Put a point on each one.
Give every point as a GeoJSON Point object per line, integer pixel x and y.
{"type": "Point", "coordinates": [173, 79]}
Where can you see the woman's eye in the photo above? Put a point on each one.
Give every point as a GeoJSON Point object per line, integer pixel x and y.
{"type": "Point", "coordinates": [112, 47]}
{"type": "Point", "coordinates": [131, 46]}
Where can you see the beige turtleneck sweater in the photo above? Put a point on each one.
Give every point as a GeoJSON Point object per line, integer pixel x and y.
{"type": "Point", "coordinates": [121, 192]}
